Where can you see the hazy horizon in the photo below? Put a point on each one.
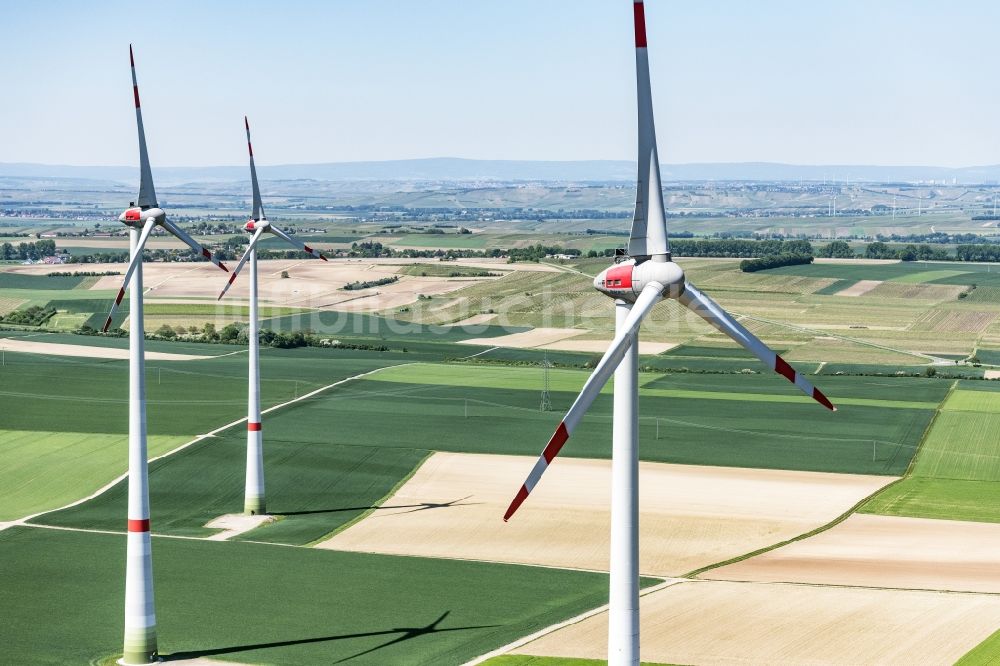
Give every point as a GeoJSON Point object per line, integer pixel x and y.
{"type": "Point", "coordinates": [897, 83]}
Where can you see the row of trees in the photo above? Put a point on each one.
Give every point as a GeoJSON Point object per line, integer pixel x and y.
{"type": "Point", "coordinates": [36, 315]}
{"type": "Point", "coordinates": [910, 252]}
{"type": "Point", "coordinates": [728, 247]}
{"type": "Point", "coordinates": [353, 286]}
{"type": "Point", "coordinates": [25, 251]}
{"type": "Point", "coordinates": [238, 334]}
{"type": "Point", "coordinates": [774, 261]}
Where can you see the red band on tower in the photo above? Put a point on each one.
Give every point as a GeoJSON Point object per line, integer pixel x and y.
{"type": "Point", "coordinates": [640, 25]}
{"type": "Point", "coordinates": [138, 525]}
{"type": "Point", "coordinates": [253, 427]}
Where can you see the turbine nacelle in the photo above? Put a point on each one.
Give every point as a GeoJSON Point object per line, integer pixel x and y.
{"type": "Point", "coordinates": [136, 216]}
{"type": "Point", "coordinates": [253, 225]}
{"type": "Point", "coordinates": [626, 280]}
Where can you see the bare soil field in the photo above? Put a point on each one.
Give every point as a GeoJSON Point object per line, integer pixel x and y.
{"type": "Point", "coordinates": [310, 283]}
{"type": "Point", "coordinates": [859, 288]}
{"type": "Point", "coordinates": [54, 349]}
{"type": "Point", "coordinates": [708, 622]}
{"type": "Point", "coordinates": [884, 551]}
{"type": "Point", "coordinates": [691, 516]}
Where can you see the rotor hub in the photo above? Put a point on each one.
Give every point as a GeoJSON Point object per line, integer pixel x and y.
{"type": "Point", "coordinates": [627, 279]}
{"type": "Point", "coordinates": [136, 216]}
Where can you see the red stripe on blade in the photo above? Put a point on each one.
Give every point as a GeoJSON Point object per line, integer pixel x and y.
{"type": "Point", "coordinates": [121, 294]}
{"type": "Point", "coordinates": [308, 249]}
{"type": "Point", "coordinates": [250, 148]}
{"type": "Point", "coordinates": [640, 25]}
{"type": "Point", "coordinates": [107, 324]}
{"type": "Point", "coordinates": [131, 58]}
{"type": "Point", "coordinates": [135, 93]}
{"type": "Point", "coordinates": [522, 495]}
{"type": "Point", "coordinates": [783, 369]}
{"type": "Point", "coordinates": [323, 257]}
{"type": "Point", "coordinates": [246, 122]}
{"type": "Point", "coordinates": [253, 427]}
{"type": "Point", "coordinates": [138, 525]}
{"type": "Point", "coordinates": [205, 253]}
{"type": "Point", "coordinates": [823, 400]}
{"type": "Point", "coordinates": [558, 439]}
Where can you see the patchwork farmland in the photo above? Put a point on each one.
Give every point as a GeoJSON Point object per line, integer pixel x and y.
{"type": "Point", "coordinates": [747, 487]}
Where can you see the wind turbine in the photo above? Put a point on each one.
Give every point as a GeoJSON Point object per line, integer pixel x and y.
{"type": "Point", "coordinates": [253, 498]}
{"type": "Point", "coordinates": [637, 284]}
{"type": "Point", "coordinates": [141, 217]}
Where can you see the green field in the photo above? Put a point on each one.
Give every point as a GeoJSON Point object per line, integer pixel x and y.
{"type": "Point", "coordinates": [312, 490]}
{"type": "Point", "coordinates": [44, 470]}
{"type": "Point", "coordinates": [956, 474]}
{"type": "Point", "coordinates": [986, 653]}
{"type": "Point", "coordinates": [45, 282]}
{"type": "Point", "coordinates": [703, 419]}
{"type": "Point", "coordinates": [212, 309]}
{"type": "Point", "coordinates": [258, 603]}
{"type": "Point", "coordinates": [70, 415]}
{"type": "Point", "coordinates": [907, 272]}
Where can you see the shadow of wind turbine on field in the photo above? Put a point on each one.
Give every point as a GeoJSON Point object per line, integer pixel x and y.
{"type": "Point", "coordinates": [406, 633]}
{"type": "Point", "coordinates": [422, 506]}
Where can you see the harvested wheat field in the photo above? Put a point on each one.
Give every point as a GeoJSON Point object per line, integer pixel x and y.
{"type": "Point", "coordinates": [310, 283]}
{"type": "Point", "coordinates": [884, 551]}
{"type": "Point", "coordinates": [601, 346]}
{"type": "Point", "coordinates": [536, 337]}
{"type": "Point", "coordinates": [55, 349]}
{"type": "Point", "coordinates": [691, 516]}
{"type": "Point", "coordinates": [708, 622]}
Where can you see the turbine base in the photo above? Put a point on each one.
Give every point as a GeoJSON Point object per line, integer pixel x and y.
{"type": "Point", "coordinates": [254, 506]}
{"type": "Point", "coordinates": [140, 647]}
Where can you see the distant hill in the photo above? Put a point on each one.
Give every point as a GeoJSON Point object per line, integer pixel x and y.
{"type": "Point", "coordinates": [456, 169]}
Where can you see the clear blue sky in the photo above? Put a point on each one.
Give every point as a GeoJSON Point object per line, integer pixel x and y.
{"type": "Point", "coordinates": [852, 81]}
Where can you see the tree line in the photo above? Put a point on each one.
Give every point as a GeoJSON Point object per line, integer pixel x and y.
{"type": "Point", "coordinates": [25, 251]}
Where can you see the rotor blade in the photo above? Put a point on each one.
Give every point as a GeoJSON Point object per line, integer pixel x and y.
{"type": "Point", "coordinates": [712, 312]}
{"type": "Point", "coordinates": [246, 255]}
{"type": "Point", "coordinates": [147, 194]}
{"type": "Point", "coordinates": [258, 207]}
{"type": "Point", "coordinates": [297, 243]}
{"type": "Point", "coordinates": [133, 262]}
{"type": "Point", "coordinates": [649, 226]}
{"type": "Point", "coordinates": [649, 297]}
{"type": "Point", "coordinates": [192, 243]}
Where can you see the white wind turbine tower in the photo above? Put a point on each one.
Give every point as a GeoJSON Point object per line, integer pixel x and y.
{"type": "Point", "coordinates": [140, 613]}
{"type": "Point", "coordinates": [253, 499]}
{"type": "Point", "coordinates": [638, 284]}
